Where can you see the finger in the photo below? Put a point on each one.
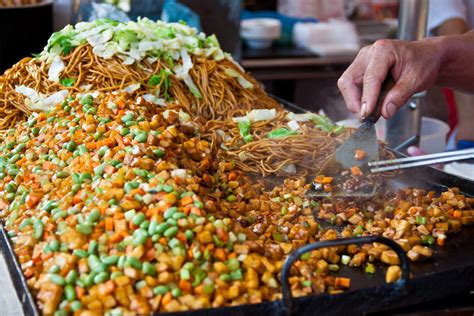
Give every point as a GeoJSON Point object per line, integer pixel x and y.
{"type": "Point", "coordinates": [350, 91]}
{"type": "Point", "coordinates": [397, 97]}
{"type": "Point", "coordinates": [378, 66]}
{"type": "Point", "coordinates": [350, 82]}
{"type": "Point", "coordinates": [374, 76]}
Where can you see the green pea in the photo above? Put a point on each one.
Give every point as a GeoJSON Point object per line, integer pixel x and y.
{"type": "Point", "coordinates": [171, 232]}
{"type": "Point", "coordinates": [176, 292]}
{"type": "Point", "coordinates": [87, 100]}
{"type": "Point", "coordinates": [76, 187]}
{"type": "Point", "coordinates": [93, 247]}
{"type": "Point", "coordinates": [138, 219]}
{"type": "Point", "coordinates": [71, 146]}
{"type": "Point", "coordinates": [101, 277]}
{"type": "Point", "coordinates": [115, 275]}
{"type": "Point", "coordinates": [149, 269]}
{"type": "Point", "coordinates": [54, 245]}
{"type": "Point", "coordinates": [38, 229]}
{"type": "Point", "coordinates": [127, 117]}
{"type": "Point", "coordinates": [110, 260]}
{"type": "Point", "coordinates": [93, 216]}
{"type": "Point", "coordinates": [139, 240]}
{"type": "Point", "coordinates": [225, 277]}
{"type": "Point", "coordinates": [99, 170]}
{"type": "Point", "coordinates": [84, 229]}
{"type": "Point", "coordinates": [14, 158]}
{"type": "Point", "coordinates": [178, 215]}
{"type": "Point", "coordinates": [54, 269]}
{"type": "Point", "coordinates": [57, 279]}
{"type": "Point", "coordinates": [159, 153]}
{"type": "Point", "coordinates": [134, 262]}
{"type": "Point", "coordinates": [13, 172]}
{"type": "Point", "coordinates": [161, 228]}
{"type": "Point", "coordinates": [231, 198]}
{"type": "Point", "coordinates": [145, 224]}
{"type": "Point", "coordinates": [60, 312]}
{"type": "Point", "coordinates": [80, 253]}
{"type": "Point", "coordinates": [152, 227]}
{"type": "Point", "coordinates": [70, 292]}
{"type": "Point", "coordinates": [26, 222]}
{"type": "Point", "coordinates": [172, 222]}
{"type": "Point", "coordinates": [71, 277]}
{"type": "Point", "coordinates": [121, 262]}
{"type": "Point", "coordinates": [75, 306]}
{"type": "Point", "coordinates": [62, 174]}
{"type": "Point", "coordinates": [141, 137]}
{"type": "Point", "coordinates": [170, 212]}
{"type": "Point", "coordinates": [11, 187]}
{"type": "Point", "coordinates": [161, 290]}
{"type": "Point", "coordinates": [124, 131]}
{"type": "Point", "coordinates": [189, 234]}
{"type": "Point", "coordinates": [58, 215]}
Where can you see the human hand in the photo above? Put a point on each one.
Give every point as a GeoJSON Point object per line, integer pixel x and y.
{"type": "Point", "coordinates": [414, 67]}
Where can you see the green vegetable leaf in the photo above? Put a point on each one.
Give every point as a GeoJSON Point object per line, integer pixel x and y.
{"type": "Point", "coordinates": [326, 125]}
{"type": "Point", "coordinates": [281, 132]}
{"type": "Point", "coordinates": [212, 41]}
{"type": "Point", "coordinates": [244, 130]}
{"type": "Point", "coordinates": [161, 81]}
{"type": "Point", "coordinates": [165, 32]}
{"type": "Point", "coordinates": [63, 40]}
{"type": "Point", "coordinates": [125, 38]}
{"type": "Point", "coordinates": [67, 82]}
{"type": "Point", "coordinates": [107, 21]}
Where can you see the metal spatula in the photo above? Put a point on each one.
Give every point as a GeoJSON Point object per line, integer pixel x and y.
{"type": "Point", "coordinates": [364, 139]}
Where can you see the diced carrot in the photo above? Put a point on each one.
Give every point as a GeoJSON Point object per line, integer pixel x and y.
{"type": "Point", "coordinates": [187, 200]}
{"type": "Point", "coordinates": [79, 292]}
{"type": "Point", "coordinates": [355, 170]}
{"type": "Point", "coordinates": [29, 273]}
{"type": "Point", "coordinates": [185, 285]}
{"type": "Point", "coordinates": [219, 253]}
{"type": "Point", "coordinates": [342, 282]}
{"type": "Point", "coordinates": [167, 298]}
{"type": "Point", "coordinates": [232, 176]}
{"type": "Point", "coordinates": [441, 241]}
{"type": "Point", "coordinates": [457, 214]}
{"type": "Point", "coordinates": [109, 169]}
{"type": "Point", "coordinates": [109, 224]}
{"type": "Point", "coordinates": [3, 205]}
{"type": "Point", "coordinates": [115, 238]}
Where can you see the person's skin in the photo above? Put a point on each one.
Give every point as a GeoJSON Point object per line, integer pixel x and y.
{"type": "Point", "coordinates": [414, 66]}
{"type": "Point", "coordinates": [464, 102]}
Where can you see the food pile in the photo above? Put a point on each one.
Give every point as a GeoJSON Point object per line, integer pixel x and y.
{"type": "Point", "coordinates": [116, 204]}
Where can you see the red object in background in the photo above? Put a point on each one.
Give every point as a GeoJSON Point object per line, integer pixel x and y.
{"type": "Point", "coordinates": [383, 9]}
{"type": "Point", "coordinates": [452, 110]}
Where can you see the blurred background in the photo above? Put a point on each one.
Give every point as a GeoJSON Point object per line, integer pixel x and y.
{"type": "Point", "coordinates": [296, 48]}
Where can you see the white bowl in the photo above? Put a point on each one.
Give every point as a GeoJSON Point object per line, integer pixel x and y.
{"type": "Point", "coordinates": [433, 135]}
{"type": "Point", "coordinates": [260, 29]}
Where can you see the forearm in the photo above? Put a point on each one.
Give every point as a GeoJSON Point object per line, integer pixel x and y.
{"type": "Point", "coordinates": [457, 65]}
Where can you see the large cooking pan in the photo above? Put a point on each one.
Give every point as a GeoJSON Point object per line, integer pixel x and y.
{"type": "Point", "coordinates": [450, 271]}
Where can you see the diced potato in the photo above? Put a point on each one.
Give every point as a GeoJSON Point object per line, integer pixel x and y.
{"type": "Point", "coordinates": [393, 274]}
{"type": "Point", "coordinates": [390, 257]}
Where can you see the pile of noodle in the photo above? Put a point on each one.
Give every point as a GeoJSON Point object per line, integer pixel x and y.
{"type": "Point", "coordinates": [220, 92]}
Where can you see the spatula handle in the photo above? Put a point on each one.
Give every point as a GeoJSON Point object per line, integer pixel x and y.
{"type": "Point", "coordinates": [387, 84]}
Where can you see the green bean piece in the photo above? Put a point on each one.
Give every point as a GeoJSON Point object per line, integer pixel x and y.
{"type": "Point", "coordinates": [70, 292]}
{"type": "Point", "coordinates": [84, 229]}
{"type": "Point", "coordinates": [57, 279]}
{"type": "Point", "coordinates": [71, 277]}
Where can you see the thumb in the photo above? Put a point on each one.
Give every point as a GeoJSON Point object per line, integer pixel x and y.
{"type": "Point", "coordinates": [396, 98]}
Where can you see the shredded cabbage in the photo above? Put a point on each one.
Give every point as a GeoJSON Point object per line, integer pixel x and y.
{"type": "Point", "coordinates": [57, 66]}
{"type": "Point", "coordinates": [242, 81]}
{"type": "Point", "coordinates": [173, 43]}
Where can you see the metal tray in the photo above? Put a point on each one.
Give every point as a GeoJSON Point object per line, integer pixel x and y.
{"type": "Point", "coordinates": [450, 271]}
